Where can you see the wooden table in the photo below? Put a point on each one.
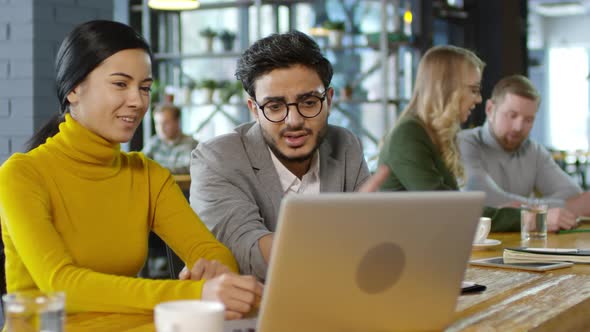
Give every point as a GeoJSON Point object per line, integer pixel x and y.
{"type": "Point", "coordinates": [557, 300]}
{"type": "Point", "coordinates": [515, 300]}
{"type": "Point", "coordinates": [183, 180]}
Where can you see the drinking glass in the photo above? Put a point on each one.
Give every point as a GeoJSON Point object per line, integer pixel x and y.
{"type": "Point", "coordinates": [533, 221]}
{"type": "Point", "coordinates": [34, 311]}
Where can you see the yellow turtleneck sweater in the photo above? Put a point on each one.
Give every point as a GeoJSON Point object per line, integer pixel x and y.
{"type": "Point", "coordinates": [76, 213]}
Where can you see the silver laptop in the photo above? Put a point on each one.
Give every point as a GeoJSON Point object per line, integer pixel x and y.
{"type": "Point", "coordinates": [367, 262]}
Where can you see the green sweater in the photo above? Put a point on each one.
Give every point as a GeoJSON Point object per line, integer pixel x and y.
{"type": "Point", "coordinates": [416, 164]}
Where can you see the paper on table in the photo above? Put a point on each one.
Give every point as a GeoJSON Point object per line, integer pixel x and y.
{"type": "Point", "coordinates": [514, 255]}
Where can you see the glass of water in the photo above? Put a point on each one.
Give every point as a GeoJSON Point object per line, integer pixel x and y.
{"type": "Point", "coordinates": [34, 311]}
{"type": "Point", "coordinates": [533, 221]}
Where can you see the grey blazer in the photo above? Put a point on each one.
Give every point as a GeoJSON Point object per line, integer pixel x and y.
{"type": "Point", "coordinates": [236, 190]}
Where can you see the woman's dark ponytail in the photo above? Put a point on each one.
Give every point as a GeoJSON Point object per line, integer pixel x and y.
{"type": "Point", "coordinates": [49, 129]}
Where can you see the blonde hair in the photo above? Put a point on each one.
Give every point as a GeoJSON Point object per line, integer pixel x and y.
{"type": "Point", "coordinates": [437, 98]}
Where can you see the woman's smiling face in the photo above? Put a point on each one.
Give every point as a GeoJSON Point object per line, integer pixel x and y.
{"type": "Point", "coordinates": [114, 97]}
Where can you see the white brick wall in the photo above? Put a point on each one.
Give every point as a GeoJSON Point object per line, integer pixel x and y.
{"type": "Point", "coordinates": [21, 69]}
{"type": "Point", "coordinates": [30, 33]}
{"type": "Point", "coordinates": [4, 31]}
{"type": "Point", "coordinates": [21, 107]}
{"type": "Point", "coordinates": [4, 108]}
{"type": "Point", "coordinates": [3, 69]}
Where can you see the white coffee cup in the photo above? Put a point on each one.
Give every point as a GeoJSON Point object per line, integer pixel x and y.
{"type": "Point", "coordinates": [189, 315]}
{"type": "Point", "coordinates": [483, 229]}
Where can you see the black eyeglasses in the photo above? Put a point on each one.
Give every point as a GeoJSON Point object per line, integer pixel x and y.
{"type": "Point", "coordinates": [308, 107]}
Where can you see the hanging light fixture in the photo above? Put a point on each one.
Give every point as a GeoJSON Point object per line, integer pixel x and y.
{"type": "Point", "coordinates": [173, 4]}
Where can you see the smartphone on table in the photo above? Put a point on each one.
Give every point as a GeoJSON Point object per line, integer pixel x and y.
{"type": "Point", "coordinates": [537, 266]}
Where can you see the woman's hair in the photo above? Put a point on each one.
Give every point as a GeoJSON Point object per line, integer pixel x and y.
{"type": "Point", "coordinates": [437, 97]}
{"type": "Point", "coordinates": [82, 50]}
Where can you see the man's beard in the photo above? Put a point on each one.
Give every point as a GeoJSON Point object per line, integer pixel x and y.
{"type": "Point", "coordinates": [512, 145]}
{"type": "Point", "coordinates": [281, 156]}
{"type": "Point", "coordinates": [505, 143]}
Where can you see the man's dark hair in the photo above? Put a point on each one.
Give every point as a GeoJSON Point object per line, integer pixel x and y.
{"type": "Point", "coordinates": [281, 51]}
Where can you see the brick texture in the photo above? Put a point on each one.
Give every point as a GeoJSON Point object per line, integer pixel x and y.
{"type": "Point", "coordinates": [4, 69]}
{"type": "Point", "coordinates": [30, 34]}
{"type": "Point", "coordinates": [4, 31]}
{"type": "Point", "coordinates": [16, 88]}
{"type": "Point", "coordinates": [16, 49]}
{"type": "Point", "coordinates": [16, 13]}
{"type": "Point", "coordinates": [18, 143]}
{"type": "Point", "coordinates": [21, 69]}
{"type": "Point", "coordinates": [4, 146]}
{"type": "Point", "coordinates": [107, 5]}
{"type": "Point", "coordinates": [21, 31]}
{"type": "Point", "coordinates": [4, 108]}
{"type": "Point", "coordinates": [75, 15]}
{"type": "Point", "coordinates": [21, 107]}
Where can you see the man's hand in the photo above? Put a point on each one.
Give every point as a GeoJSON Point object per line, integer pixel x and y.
{"type": "Point", "coordinates": [579, 204]}
{"type": "Point", "coordinates": [513, 204]}
{"type": "Point", "coordinates": [558, 218]}
{"type": "Point", "coordinates": [238, 293]}
{"type": "Point", "coordinates": [203, 269]}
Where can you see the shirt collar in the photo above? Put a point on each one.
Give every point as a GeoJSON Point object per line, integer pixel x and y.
{"type": "Point", "coordinates": [289, 179]}
{"type": "Point", "coordinates": [174, 142]}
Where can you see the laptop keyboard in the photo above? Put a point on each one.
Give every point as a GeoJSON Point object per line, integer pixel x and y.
{"type": "Point", "coordinates": [240, 325]}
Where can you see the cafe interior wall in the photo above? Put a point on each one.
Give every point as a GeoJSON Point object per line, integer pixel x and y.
{"type": "Point", "coordinates": [558, 127]}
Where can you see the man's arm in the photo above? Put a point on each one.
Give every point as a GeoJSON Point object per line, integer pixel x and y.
{"type": "Point", "coordinates": [357, 157]}
{"type": "Point", "coordinates": [220, 196]}
{"type": "Point", "coordinates": [579, 204]}
{"type": "Point", "coordinates": [552, 181]}
{"type": "Point", "coordinates": [265, 245]}
{"type": "Point", "coordinates": [477, 177]}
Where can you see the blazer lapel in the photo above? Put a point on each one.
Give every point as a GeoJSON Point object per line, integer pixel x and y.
{"type": "Point", "coordinates": [262, 165]}
{"type": "Point", "coordinates": [331, 170]}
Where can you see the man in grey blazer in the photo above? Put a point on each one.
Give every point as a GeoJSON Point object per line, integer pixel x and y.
{"type": "Point", "coordinates": [239, 179]}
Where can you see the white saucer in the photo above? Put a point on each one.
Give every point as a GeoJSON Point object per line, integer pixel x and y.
{"type": "Point", "coordinates": [486, 244]}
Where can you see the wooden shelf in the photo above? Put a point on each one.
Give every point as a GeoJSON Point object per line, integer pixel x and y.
{"type": "Point", "coordinates": [361, 101]}
{"type": "Point", "coordinates": [203, 55]}
{"type": "Point", "coordinates": [232, 4]}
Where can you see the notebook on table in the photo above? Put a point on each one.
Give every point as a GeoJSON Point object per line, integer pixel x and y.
{"type": "Point", "coordinates": [522, 255]}
{"type": "Point", "coordinates": [367, 262]}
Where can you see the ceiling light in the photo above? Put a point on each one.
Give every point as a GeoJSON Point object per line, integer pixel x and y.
{"type": "Point", "coordinates": [559, 8]}
{"type": "Point", "coordinates": [173, 4]}
{"type": "Point", "coordinates": [408, 16]}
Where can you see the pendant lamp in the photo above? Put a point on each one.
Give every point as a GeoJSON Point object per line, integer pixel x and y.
{"type": "Point", "coordinates": [173, 4]}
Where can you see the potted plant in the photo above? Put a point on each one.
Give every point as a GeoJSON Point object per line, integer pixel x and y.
{"type": "Point", "coordinates": [209, 85]}
{"type": "Point", "coordinates": [227, 39]}
{"type": "Point", "coordinates": [208, 34]}
{"type": "Point", "coordinates": [156, 92]}
{"type": "Point", "coordinates": [229, 89]}
{"type": "Point", "coordinates": [346, 92]}
{"type": "Point", "coordinates": [188, 91]}
{"type": "Point", "coordinates": [335, 32]}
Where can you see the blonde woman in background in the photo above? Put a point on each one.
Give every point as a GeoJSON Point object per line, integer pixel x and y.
{"type": "Point", "coordinates": [421, 152]}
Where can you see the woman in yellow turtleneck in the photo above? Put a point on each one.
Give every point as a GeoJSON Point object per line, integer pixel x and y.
{"type": "Point", "coordinates": [76, 211]}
